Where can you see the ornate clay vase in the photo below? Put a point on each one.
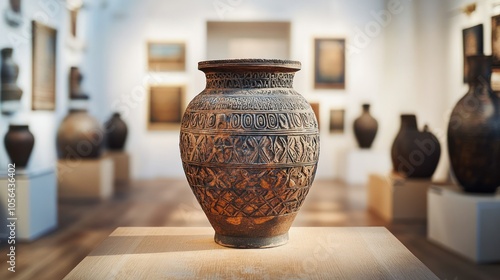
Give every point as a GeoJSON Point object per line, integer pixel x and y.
{"type": "Point", "coordinates": [75, 81]}
{"type": "Point", "coordinates": [116, 132]}
{"type": "Point", "coordinates": [474, 132]}
{"type": "Point", "coordinates": [249, 146]}
{"type": "Point", "coordinates": [415, 154]}
{"type": "Point", "coordinates": [79, 136]}
{"type": "Point", "coordinates": [19, 143]}
{"type": "Point", "coordinates": [9, 72]}
{"type": "Point", "coordinates": [365, 128]}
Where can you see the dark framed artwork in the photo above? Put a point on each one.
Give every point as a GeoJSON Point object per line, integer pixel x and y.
{"type": "Point", "coordinates": [73, 20]}
{"type": "Point", "coordinates": [165, 107]}
{"type": "Point", "coordinates": [44, 67]}
{"type": "Point", "coordinates": [315, 108]}
{"type": "Point", "coordinates": [495, 40]}
{"type": "Point", "coordinates": [166, 56]}
{"type": "Point", "coordinates": [495, 78]}
{"type": "Point", "coordinates": [472, 45]}
{"type": "Point", "coordinates": [337, 120]}
{"type": "Point", "coordinates": [329, 63]}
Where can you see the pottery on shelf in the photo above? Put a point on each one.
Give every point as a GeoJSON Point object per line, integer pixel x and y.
{"type": "Point", "coordinates": [79, 136]}
{"type": "Point", "coordinates": [116, 132]}
{"type": "Point", "coordinates": [75, 81]}
{"type": "Point", "coordinates": [249, 147]}
{"type": "Point", "coordinates": [474, 132]}
{"type": "Point", "coordinates": [365, 128]}
{"type": "Point", "coordinates": [19, 143]}
{"type": "Point", "coordinates": [414, 153]}
{"type": "Point", "coordinates": [9, 72]}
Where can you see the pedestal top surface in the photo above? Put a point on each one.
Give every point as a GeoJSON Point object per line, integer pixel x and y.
{"type": "Point", "coordinates": [191, 253]}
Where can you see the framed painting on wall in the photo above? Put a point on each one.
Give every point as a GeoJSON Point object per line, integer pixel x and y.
{"type": "Point", "coordinates": [315, 108]}
{"type": "Point", "coordinates": [329, 63]}
{"type": "Point", "coordinates": [166, 56]}
{"type": "Point", "coordinates": [495, 40]}
{"type": "Point", "coordinates": [44, 67]}
{"type": "Point", "coordinates": [472, 45]}
{"type": "Point", "coordinates": [337, 121]}
{"type": "Point", "coordinates": [165, 107]}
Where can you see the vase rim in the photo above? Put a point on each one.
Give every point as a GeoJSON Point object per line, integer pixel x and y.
{"type": "Point", "coordinates": [285, 64]}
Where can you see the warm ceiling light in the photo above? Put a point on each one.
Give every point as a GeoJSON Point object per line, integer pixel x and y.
{"type": "Point", "coordinates": [469, 9]}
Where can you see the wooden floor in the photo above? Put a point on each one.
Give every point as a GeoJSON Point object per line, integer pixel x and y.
{"type": "Point", "coordinates": [83, 225]}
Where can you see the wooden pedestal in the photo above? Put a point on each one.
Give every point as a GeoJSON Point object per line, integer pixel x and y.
{"type": "Point", "coordinates": [121, 162]}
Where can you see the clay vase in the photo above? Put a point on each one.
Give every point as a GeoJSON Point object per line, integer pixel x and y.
{"type": "Point", "coordinates": [415, 154]}
{"type": "Point", "coordinates": [365, 128]}
{"type": "Point", "coordinates": [249, 147]}
{"type": "Point", "coordinates": [80, 136]}
{"type": "Point", "coordinates": [116, 132]}
{"type": "Point", "coordinates": [19, 143]}
{"type": "Point", "coordinates": [474, 132]}
{"type": "Point", "coordinates": [75, 81]}
{"type": "Point", "coordinates": [9, 72]}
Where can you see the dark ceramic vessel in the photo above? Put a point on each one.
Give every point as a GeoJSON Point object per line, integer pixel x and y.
{"type": "Point", "coordinates": [415, 154]}
{"type": "Point", "coordinates": [15, 5]}
{"type": "Point", "coordinates": [79, 136]}
{"type": "Point", "coordinates": [365, 128]}
{"type": "Point", "coordinates": [9, 72]}
{"type": "Point", "coordinates": [75, 81]}
{"type": "Point", "coordinates": [116, 132]}
{"type": "Point", "coordinates": [19, 143]}
{"type": "Point", "coordinates": [474, 132]}
{"type": "Point", "coordinates": [250, 146]}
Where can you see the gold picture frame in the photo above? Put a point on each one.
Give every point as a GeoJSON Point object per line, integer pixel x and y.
{"type": "Point", "coordinates": [329, 63]}
{"type": "Point", "coordinates": [44, 52]}
{"type": "Point", "coordinates": [166, 56]}
{"type": "Point", "coordinates": [337, 121]}
{"type": "Point", "coordinates": [165, 106]}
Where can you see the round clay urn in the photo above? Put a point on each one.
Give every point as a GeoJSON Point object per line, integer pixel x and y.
{"type": "Point", "coordinates": [116, 132]}
{"type": "Point", "coordinates": [19, 143]}
{"type": "Point", "coordinates": [79, 136]}
{"type": "Point", "coordinates": [365, 128]}
{"type": "Point", "coordinates": [474, 132]}
{"type": "Point", "coordinates": [249, 147]}
{"type": "Point", "coordinates": [414, 153]}
{"type": "Point", "coordinates": [9, 72]}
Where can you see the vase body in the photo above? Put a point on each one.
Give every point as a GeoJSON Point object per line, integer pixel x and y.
{"type": "Point", "coordinates": [474, 132]}
{"type": "Point", "coordinates": [19, 143]}
{"type": "Point", "coordinates": [249, 147]}
{"type": "Point", "coordinates": [414, 153]}
{"type": "Point", "coordinates": [116, 132]}
{"type": "Point", "coordinates": [79, 136]}
{"type": "Point", "coordinates": [365, 128]}
{"type": "Point", "coordinates": [9, 73]}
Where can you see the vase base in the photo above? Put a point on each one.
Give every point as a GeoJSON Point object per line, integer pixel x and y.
{"type": "Point", "coordinates": [251, 242]}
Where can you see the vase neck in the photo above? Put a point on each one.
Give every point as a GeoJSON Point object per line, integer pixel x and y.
{"type": "Point", "coordinates": [408, 122]}
{"type": "Point", "coordinates": [479, 71]}
{"type": "Point", "coordinates": [366, 108]}
{"type": "Point", "coordinates": [249, 80]}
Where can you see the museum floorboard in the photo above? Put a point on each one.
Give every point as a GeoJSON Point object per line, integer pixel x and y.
{"type": "Point", "coordinates": [163, 202]}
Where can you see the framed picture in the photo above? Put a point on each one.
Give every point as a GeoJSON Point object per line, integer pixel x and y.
{"type": "Point", "coordinates": [472, 45]}
{"type": "Point", "coordinates": [165, 107]}
{"type": "Point", "coordinates": [44, 67]}
{"type": "Point", "coordinates": [337, 121]}
{"type": "Point", "coordinates": [315, 108]}
{"type": "Point", "coordinates": [495, 40]}
{"type": "Point", "coordinates": [166, 56]}
{"type": "Point", "coordinates": [329, 63]}
{"type": "Point", "coordinates": [495, 79]}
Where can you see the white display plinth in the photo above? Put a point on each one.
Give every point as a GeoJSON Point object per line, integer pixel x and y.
{"type": "Point", "coordinates": [362, 163]}
{"type": "Point", "coordinates": [395, 198]}
{"type": "Point", "coordinates": [465, 223]}
{"type": "Point", "coordinates": [121, 162]}
{"type": "Point", "coordinates": [86, 178]}
{"type": "Point", "coordinates": [35, 203]}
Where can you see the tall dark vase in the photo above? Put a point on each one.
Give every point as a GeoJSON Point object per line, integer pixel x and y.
{"type": "Point", "coordinates": [116, 132]}
{"type": "Point", "coordinates": [19, 143]}
{"type": "Point", "coordinates": [9, 72]}
{"type": "Point", "coordinates": [365, 128]}
{"type": "Point", "coordinates": [79, 136]}
{"type": "Point", "coordinates": [415, 154]}
{"type": "Point", "coordinates": [474, 132]}
{"type": "Point", "coordinates": [249, 146]}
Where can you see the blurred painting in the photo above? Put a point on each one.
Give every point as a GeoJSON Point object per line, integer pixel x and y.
{"type": "Point", "coordinates": [44, 67]}
{"type": "Point", "coordinates": [495, 79]}
{"type": "Point", "coordinates": [165, 107]}
{"type": "Point", "coordinates": [472, 45]}
{"type": "Point", "coordinates": [329, 63]}
{"type": "Point", "coordinates": [166, 56]}
{"type": "Point", "coordinates": [337, 121]}
{"type": "Point", "coordinates": [495, 40]}
{"type": "Point", "coordinates": [315, 108]}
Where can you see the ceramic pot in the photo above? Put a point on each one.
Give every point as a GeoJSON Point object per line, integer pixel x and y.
{"type": "Point", "coordinates": [9, 72]}
{"type": "Point", "coordinates": [75, 81]}
{"type": "Point", "coordinates": [19, 143]}
{"type": "Point", "coordinates": [249, 147]}
{"type": "Point", "coordinates": [474, 132]}
{"type": "Point", "coordinates": [365, 128]}
{"type": "Point", "coordinates": [79, 136]}
{"type": "Point", "coordinates": [116, 132]}
{"type": "Point", "coordinates": [415, 154]}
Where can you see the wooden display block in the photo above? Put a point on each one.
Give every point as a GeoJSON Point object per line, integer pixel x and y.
{"type": "Point", "coordinates": [35, 204]}
{"type": "Point", "coordinates": [466, 224]}
{"type": "Point", "coordinates": [361, 163]}
{"type": "Point", "coordinates": [86, 178]}
{"type": "Point", "coordinates": [191, 253]}
{"type": "Point", "coordinates": [395, 198]}
{"type": "Point", "coordinates": [122, 168]}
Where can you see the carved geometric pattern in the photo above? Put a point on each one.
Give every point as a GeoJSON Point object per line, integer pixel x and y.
{"type": "Point", "coordinates": [248, 149]}
{"type": "Point", "coordinates": [249, 103]}
{"type": "Point", "coordinates": [249, 80]}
